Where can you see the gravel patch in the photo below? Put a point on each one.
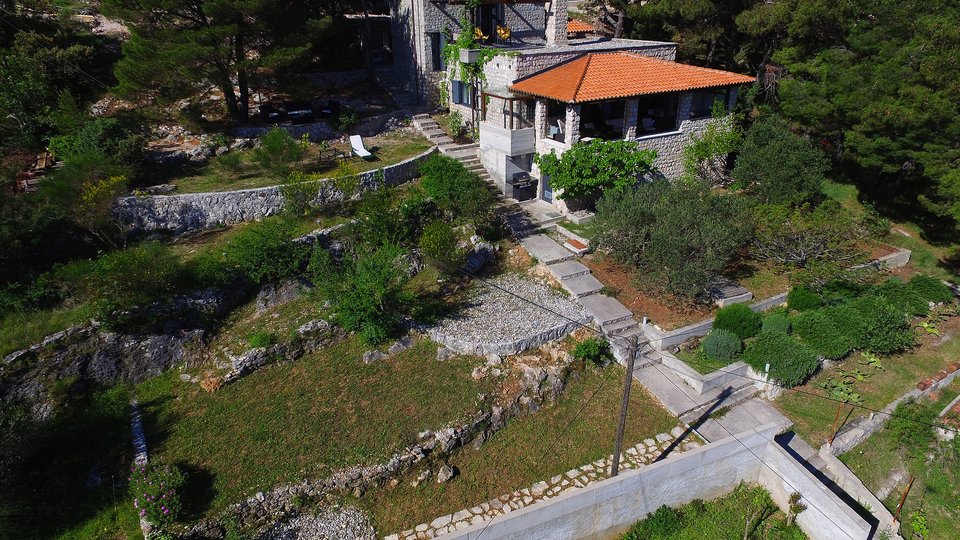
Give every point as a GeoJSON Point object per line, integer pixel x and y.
{"type": "Point", "coordinates": [331, 523]}
{"type": "Point", "coordinates": [494, 321]}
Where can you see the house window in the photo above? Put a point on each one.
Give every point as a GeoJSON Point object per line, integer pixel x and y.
{"type": "Point", "coordinates": [703, 101]}
{"type": "Point", "coordinates": [438, 40]}
{"type": "Point", "coordinates": [462, 93]}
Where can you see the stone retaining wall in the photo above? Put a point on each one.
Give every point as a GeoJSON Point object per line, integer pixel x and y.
{"type": "Point", "coordinates": [190, 211]}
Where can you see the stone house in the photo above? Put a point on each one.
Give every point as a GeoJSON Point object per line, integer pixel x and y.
{"type": "Point", "coordinates": [549, 88]}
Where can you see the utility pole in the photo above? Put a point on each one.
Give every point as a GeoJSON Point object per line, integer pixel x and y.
{"type": "Point", "coordinates": [627, 383]}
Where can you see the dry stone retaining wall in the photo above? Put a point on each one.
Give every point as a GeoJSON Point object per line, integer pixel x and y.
{"type": "Point", "coordinates": [190, 211]}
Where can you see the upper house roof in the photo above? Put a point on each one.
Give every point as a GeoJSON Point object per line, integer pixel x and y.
{"type": "Point", "coordinates": [575, 26]}
{"type": "Point", "coordinates": [614, 75]}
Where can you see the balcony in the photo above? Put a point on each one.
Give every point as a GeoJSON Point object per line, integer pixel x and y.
{"type": "Point", "coordinates": [511, 142]}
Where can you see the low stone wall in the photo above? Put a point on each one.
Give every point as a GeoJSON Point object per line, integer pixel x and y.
{"type": "Point", "coordinates": [609, 507]}
{"type": "Point", "coordinates": [190, 211]}
{"type": "Point", "coordinates": [733, 375]}
{"type": "Point", "coordinates": [864, 426]}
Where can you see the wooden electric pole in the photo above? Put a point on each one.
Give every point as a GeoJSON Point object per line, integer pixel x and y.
{"type": "Point", "coordinates": [624, 403]}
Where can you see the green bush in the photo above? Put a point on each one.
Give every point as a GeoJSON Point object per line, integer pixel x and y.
{"type": "Point", "coordinates": [802, 299]}
{"type": "Point", "coordinates": [366, 289]}
{"type": "Point", "coordinates": [887, 328]}
{"type": "Point", "coordinates": [777, 322]}
{"type": "Point", "coordinates": [593, 350]}
{"type": "Point", "coordinates": [262, 252]}
{"type": "Point", "coordinates": [824, 335]}
{"type": "Point", "coordinates": [229, 164]}
{"type": "Point", "coordinates": [299, 191]}
{"type": "Point", "coordinates": [416, 211]}
{"type": "Point", "coordinates": [665, 523]}
{"type": "Point", "coordinates": [156, 493]}
{"type": "Point", "coordinates": [378, 221]}
{"type": "Point", "coordinates": [791, 362]}
{"type": "Point", "coordinates": [278, 152]}
{"type": "Point", "coordinates": [261, 339]}
{"type": "Point", "coordinates": [739, 319]}
{"type": "Point", "coordinates": [455, 124]}
{"type": "Point", "coordinates": [440, 247]}
{"type": "Point", "coordinates": [133, 277]}
{"type": "Point", "coordinates": [722, 344]}
{"type": "Point", "coordinates": [930, 288]}
{"type": "Point", "coordinates": [457, 191]}
{"type": "Point", "coordinates": [902, 297]}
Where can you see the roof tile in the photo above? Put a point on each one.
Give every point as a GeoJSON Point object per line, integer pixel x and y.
{"type": "Point", "coordinates": [614, 75]}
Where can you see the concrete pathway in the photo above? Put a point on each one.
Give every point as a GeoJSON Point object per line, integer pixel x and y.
{"type": "Point", "coordinates": [542, 248]}
{"type": "Point", "coordinates": [741, 417]}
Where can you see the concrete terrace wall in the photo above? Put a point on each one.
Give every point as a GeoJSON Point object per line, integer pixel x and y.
{"type": "Point", "coordinates": [608, 508]}
{"type": "Point", "coordinates": [191, 211]}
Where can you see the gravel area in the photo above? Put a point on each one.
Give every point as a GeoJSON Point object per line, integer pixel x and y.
{"type": "Point", "coordinates": [494, 321]}
{"type": "Point", "coordinates": [331, 523]}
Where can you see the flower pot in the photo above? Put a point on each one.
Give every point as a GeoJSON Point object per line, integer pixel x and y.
{"type": "Point", "coordinates": [469, 56]}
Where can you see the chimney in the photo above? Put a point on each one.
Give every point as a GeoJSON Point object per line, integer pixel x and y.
{"type": "Point", "coordinates": [556, 23]}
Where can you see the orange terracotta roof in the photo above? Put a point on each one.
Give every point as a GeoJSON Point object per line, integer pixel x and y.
{"type": "Point", "coordinates": [576, 27]}
{"type": "Point", "coordinates": [600, 76]}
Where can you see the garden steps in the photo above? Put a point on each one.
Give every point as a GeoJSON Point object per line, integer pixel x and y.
{"type": "Point", "coordinates": [568, 269]}
{"type": "Point", "coordinates": [683, 400]}
{"type": "Point", "coordinates": [582, 286]}
{"type": "Point", "coordinates": [545, 250]}
{"type": "Point", "coordinates": [462, 151]}
{"type": "Point", "coordinates": [623, 327]}
{"type": "Point", "coordinates": [605, 310]}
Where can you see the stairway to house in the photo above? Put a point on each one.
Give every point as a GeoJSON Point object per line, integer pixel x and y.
{"type": "Point", "coordinates": [394, 86]}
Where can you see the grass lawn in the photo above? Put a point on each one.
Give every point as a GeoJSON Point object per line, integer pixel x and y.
{"type": "Point", "coordinates": [304, 419]}
{"type": "Point", "coordinates": [699, 361]}
{"type": "Point", "coordinates": [392, 148]}
{"type": "Point", "coordinates": [20, 330]}
{"type": "Point", "coordinates": [726, 517]}
{"type": "Point", "coordinates": [814, 417]}
{"type": "Point", "coordinates": [936, 488]}
{"type": "Point", "coordinates": [518, 456]}
{"type": "Point", "coordinates": [69, 474]}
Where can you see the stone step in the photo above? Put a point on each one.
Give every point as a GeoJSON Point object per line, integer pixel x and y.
{"type": "Point", "coordinates": [739, 395]}
{"type": "Point", "coordinates": [568, 269]}
{"type": "Point", "coordinates": [619, 328]}
{"type": "Point", "coordinates": [582, 286]}
{"type": "Point", "coordinates": [605, 310]}
{"type": "Point", "coordinates": [545, 250]}
{"type": "Point", "coordinates": [421, 116]}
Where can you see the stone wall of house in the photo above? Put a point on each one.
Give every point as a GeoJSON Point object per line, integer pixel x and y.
{"type": "Point", "coordinates": [190, 211]}
{"type": "Point", "coordinates": [670, 146]}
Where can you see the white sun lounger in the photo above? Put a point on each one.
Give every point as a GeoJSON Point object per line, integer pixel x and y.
{"type": "Point", "coordinates": [358, 150]}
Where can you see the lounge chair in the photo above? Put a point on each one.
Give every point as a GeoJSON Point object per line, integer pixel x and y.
{"type": "Point", "coordinates": [358, 150]}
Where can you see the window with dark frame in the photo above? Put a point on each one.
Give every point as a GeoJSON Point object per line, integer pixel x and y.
{"type": "Point", "coordinates": [703, 101]}
{"type": "Point", "coordinates": [438, 40]}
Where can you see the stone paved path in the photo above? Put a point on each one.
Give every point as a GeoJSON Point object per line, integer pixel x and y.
{"type": "Point", "coordinates": [644, 453]}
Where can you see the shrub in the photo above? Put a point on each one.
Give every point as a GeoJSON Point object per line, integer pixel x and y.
{"type": "Point", "coordinates": [133, 277]}
{"type": "Point", "coordinates": [298, 192]}
{"type": "Point", "coordinates": [930, 288]}
{"type": "Point", "coordinates": [278, 152]}
{"type": "Point", "coordinates": [457, 191]}
{"type": "Point", "coordinates": [366, 289]}
{"type": "Point", "coordinates": [440, 247]}
{"type": "Point", "coordinates": [261, 339]}
{"type": "Point", "coordinates": [776, 322]}
{"type": "Point", "coordinates": [594, 350]}
{"type": "Point", "coordinates": [887, 328]}
{"type": "Point", "coordinates": [455, 124]}
{"type": "Point", "coordinates": [791, 362]}
{"type": "Point", "coordinates": [778, 167]}
{"type": "Point", "coordinates": [228, 164]}
{"type": "Point", "coordinates": [722, 344]}
{"type": "Point", "coordinates": [821, 331]}
{"type": "Point", "coordinates": [821, 238]}
{"type": "Point", "coordinates": [347, 118]}
{"type": "Point", "coordinates": [802, 299]}
{"type": "Point", "coordinates": [739, 319]}
{"type": "Point", "coordinates": [378, 221]}
{"type": "Point", "coordinates": [902, 297]}
{"type": "Point", "coordinates": [664, 523]}
{"type": "Point", "coordinates": [263, 252]}
{"type": "Point", "coordinates": [156, 493]}
{"type": "Point", "coordinates": [589, 168]}
{"type": "Point", "coordinates": [416, 211]}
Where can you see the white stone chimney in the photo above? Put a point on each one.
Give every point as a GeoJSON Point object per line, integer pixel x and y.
{"type": "Point", "coordinates": [556, 23]}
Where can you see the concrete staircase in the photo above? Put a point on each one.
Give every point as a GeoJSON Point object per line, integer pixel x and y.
{"type": "Point", "coordinates": [394, 86]}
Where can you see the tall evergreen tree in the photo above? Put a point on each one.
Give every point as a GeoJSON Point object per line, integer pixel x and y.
{"type": "Point", "coordinates": [176, 45]}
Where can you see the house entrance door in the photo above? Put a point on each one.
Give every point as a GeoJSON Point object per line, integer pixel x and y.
{"type": "Point", "coordinates": [547, 189]}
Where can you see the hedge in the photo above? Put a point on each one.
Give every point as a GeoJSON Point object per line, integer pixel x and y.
{"type": "Point", "coordinates": [832, 332]}
{"type": "Point", "coordinates": [791, 362]}
{"type": "Point", "coordinates": [930, 288]}
{"type": "Point", "coordinates": [722, 344]}
{"type": "Point", "coordinates": [887, 329]}
{"type": "Point", "coordinates": [902, 297]}
{"type": "Point", "coordinates": [802, 299]}
{"type": "Point", "coordinates": [739, 319]}
{"type": "Point", "coordinates": [777, 322]}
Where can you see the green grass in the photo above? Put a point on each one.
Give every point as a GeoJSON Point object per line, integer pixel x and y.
{"type": "Point", "coordinates": [69, 474]}
{"type": "Point", "coordinates": [813, 417]}
{"type": "Point", "coordinates": [20, 330]}
{"type": "Point", "coordinates": [393, 148]}
{"type": "Point", "coordinates": [699, 361]}
{"type": "Point", "coordinates": [585, 230]}
{"type": "Point", "coordinates": [529, 449]}
{"type": "Point", "coordinates": [723, 518]}
{"type": "Point", "coordinates": [936, 487]}
{"type": "Point", "coordinates": [302, 420]}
